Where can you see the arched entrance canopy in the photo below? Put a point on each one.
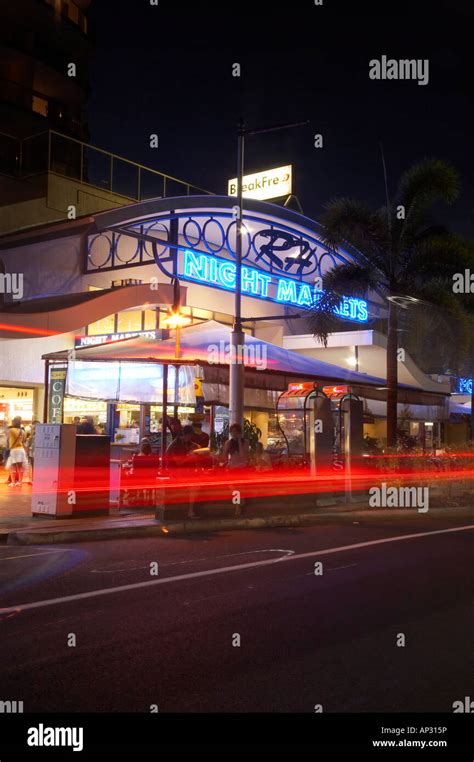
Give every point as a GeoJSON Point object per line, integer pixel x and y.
{"type": "Point", "coordinates": [276, 240]}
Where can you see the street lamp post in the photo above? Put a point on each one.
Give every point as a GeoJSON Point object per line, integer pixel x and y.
{"type": "Point", "coordinates": [237, 339]}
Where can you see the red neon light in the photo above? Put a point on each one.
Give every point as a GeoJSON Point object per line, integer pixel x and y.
{"type": "Point", "coordinates": [25, 329]}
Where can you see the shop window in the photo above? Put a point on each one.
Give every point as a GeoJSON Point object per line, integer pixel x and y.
{"type": "Point", "coordinates": [104, 326]}
{"type": "Point", "coordinates": [40, 105]}
{"type": "Point", "coordinates": [129, 321]}
{"type": "Point", "coordinates": [149, 320]}
{"type": "Point", "coordinates": [202, 314]}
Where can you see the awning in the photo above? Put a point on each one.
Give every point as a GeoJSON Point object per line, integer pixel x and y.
{"type": "Point", "coordinates": [207, 344]}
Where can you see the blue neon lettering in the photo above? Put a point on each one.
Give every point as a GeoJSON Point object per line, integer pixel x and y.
{"type": "Point", "coordinates": [264, 281]}
{"type": "Point", "coordinates": [212, 271]}
{"type": "Point", "coordinates": [250, 280]}
{"type": "Point", "coordinates": [195, 266]}
{"type": "Point", "coordinates": [226, 274]}
{"type": "Point", "coordinates": [286, 290]}
{"type": "Point", "coordinates": [464, 386]}
{"type": "Point", "coordinates": [362, 311]}
{"type": "Point", "coordinates": [304, 298]}
{"type": "Point", "coordinates": [221, 272]}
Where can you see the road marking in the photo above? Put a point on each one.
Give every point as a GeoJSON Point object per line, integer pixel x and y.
{"type": "Point", "coordinates": [44, 553]}
{"type": "Point", "coordinates": [104, 570]}
{"type": "Point", "coordinates": [226, 570]}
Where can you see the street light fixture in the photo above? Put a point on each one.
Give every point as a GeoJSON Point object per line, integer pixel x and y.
{"type": "Point", "coordinates": [236, 367]}
{"type": "Point", "coordinates": [175, 318]}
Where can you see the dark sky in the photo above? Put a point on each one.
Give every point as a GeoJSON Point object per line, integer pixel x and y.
{"type": "Point", "coordinates": [168, 69]}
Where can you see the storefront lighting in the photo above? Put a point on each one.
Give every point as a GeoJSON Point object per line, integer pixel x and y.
{"type": "Point", "coordinates": [176, 320]}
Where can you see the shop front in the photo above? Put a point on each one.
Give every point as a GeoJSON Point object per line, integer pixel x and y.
{"type": "Point", "coordinates": [126, 265]}
{"type": "Point", "coordinates": [16, 401]}
{"type": "Point", "coordinates": [128, 385]}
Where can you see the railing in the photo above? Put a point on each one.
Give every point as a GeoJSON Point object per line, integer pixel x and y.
{"type": "Point", "coordinates": [59, 154]}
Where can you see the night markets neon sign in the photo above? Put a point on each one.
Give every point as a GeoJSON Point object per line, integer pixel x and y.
{"type": "Point", "coordinates": [215, 271]}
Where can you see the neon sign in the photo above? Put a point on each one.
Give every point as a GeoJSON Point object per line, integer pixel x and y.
{"type": "Point", "coordinates": [464, 386]}
{"type": "Point", "coordinates": [215, 271]}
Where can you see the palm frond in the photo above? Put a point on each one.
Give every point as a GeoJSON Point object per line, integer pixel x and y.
{"type": "Point", "coordinates": [433, 256]}
{"type": "Point", "coordinates": [419, 188]}
{"type": "Point", "coordinates": [347, 222]}
{"type": "Point", "coordinates": [344, 280]}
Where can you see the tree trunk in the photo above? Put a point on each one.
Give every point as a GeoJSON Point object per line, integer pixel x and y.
{"type": "Point", "coordinates": [392, 375]}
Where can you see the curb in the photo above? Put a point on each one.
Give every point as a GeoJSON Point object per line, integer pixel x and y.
{"type": "Point", "coordinates": [162, 529]}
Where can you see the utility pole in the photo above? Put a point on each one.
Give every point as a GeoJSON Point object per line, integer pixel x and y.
{"type": "Point", "coordinates": [237, 339]}
{"type": "Point", "coordinates": [236, 368]}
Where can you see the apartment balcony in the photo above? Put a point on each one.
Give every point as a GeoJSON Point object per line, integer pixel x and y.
{"type": "Point", "coordinates": [43, 176]}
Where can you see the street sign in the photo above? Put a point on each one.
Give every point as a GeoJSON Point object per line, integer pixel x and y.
{"type": "Point", "coordinates": [272, 183]}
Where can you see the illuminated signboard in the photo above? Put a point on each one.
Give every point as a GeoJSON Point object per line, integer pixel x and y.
{"type": "Point", "coordinates": [464, 386]}
{"type": "Point", "coordinates": [92, 341]}
{"type": "Point", "coordinates": [221, 273]}
{"type": "Point", "coordinates": [335, 392]}
{"type": "Point", "coordinates": [303, 387]}
{"type": "Point", "coordinates": [263, 185]}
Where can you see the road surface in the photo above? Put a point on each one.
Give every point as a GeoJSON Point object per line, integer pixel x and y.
{"type": "Point", "coordinates": [240, 621]}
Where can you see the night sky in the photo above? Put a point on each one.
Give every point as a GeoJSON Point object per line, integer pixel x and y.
{"type": "Point", "coordinates": [168, 69]}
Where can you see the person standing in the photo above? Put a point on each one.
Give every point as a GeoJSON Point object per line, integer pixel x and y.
{"type": "Point", "coordinates": [17, 460]}
{"type": "Point", "coordinates": [86, 426]}
{"type": "Point", "coordinates": [178, 456]}
{"type": "Point", "coordinates": [30, 445]}
{"type": "Point", "coordinates": [262, 459]}
{"type": "Point", "coordinates": [235, 454]}
{"type": "Point", "coordinates": [180, 448]}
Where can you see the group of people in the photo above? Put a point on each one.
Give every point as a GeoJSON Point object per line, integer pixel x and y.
{"type": "Point", "coordinates": [192, 441]}
{"type": "Point", "coordinates": [19, 454]}
{"type": "Point", "coordinates": [85, 425]}
{"type": "Point", "coordinates": [19, 450]}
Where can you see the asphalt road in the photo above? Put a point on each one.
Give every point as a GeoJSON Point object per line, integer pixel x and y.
{"type": "Point", "coordinates": [306, 639]}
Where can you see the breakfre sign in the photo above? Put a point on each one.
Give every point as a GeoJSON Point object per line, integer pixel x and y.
{"type": "Point", "coordinates": [263, 185]}
{"type": "Point", "coordinates": [221, 273]}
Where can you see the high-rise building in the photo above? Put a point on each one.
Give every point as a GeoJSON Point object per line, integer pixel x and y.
{"type": "Point", "coordinates": [39, 89]}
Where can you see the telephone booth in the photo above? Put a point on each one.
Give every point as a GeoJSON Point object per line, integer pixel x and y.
{"type": "Point", "coordinates": [305, 420]}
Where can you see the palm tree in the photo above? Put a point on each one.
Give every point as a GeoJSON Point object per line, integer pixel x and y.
{"type": "Point", "coordinates": [397, 253]}
{"type": "Point", "coordinates": [442, 341]}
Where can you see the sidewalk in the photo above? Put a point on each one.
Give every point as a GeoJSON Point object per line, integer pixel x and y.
{"type": "Point", "coordinates": [19, 527]}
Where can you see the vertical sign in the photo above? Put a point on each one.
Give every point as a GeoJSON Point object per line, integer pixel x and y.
{"type": "Point", "coordinates": [57, 388]}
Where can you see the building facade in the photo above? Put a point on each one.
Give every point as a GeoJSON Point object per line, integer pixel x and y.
{"type": "Point", "coordinates": [109, 276]}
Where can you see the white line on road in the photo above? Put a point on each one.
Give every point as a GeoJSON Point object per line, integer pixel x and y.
{"type": "Point", "coordinates": [105, 570]}
{"type": "Point", "coordinates": [226, 570]}
{"type": "Point", "coordinates": [43, 553]}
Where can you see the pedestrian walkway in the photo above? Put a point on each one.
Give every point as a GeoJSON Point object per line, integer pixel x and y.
{"type": "Point", "coordinates": [15, 502]}
{"type": "Point", "coordinates": [18, 526]}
